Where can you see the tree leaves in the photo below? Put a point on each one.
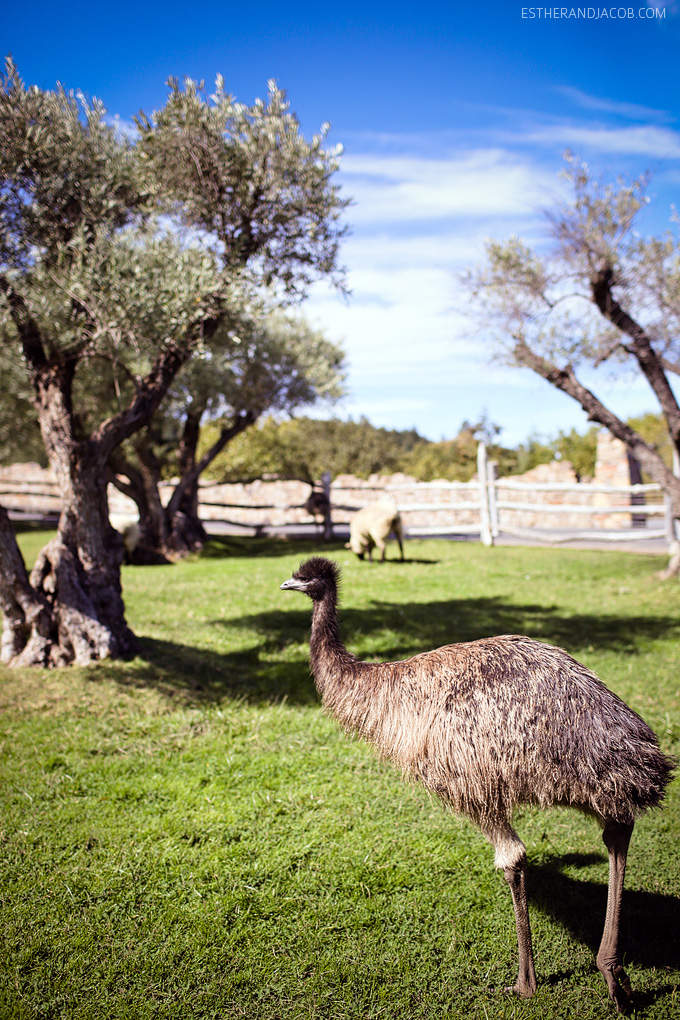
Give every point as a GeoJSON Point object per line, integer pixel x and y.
{"type": "Point", "coordinates": [118, 247]}
{"type": "Point", "coordinates": [602, 292]}
{"type": "Point", "coordinates": [248, 179]}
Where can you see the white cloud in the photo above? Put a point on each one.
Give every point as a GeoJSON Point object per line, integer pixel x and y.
{"type": "Point", "coordinates": [405, 327]}
{"type": "Point", "coordinates": [643, 140]}
{"type": "Point", "coordinates": [395, 189]}
{"type": "Point", "coordinates": [420, 216]}
{"type": "Point", "coordinates": [457, 246]}
{"type": "Point", "coordinates": [631, 111]}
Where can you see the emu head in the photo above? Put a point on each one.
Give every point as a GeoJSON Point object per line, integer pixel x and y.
{"type": "Point", "coordinates": [315, 577]}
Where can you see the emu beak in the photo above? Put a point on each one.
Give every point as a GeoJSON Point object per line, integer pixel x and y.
{"type": "Point", "coordinates": [292, 584]}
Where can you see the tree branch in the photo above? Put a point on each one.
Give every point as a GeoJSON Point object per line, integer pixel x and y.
{"type": "Point", "coordinates": [641, 348]}
{"type": "Point", "coordinates": [117, 466]}
{"type": "Point", "coordinates": [564, 379]}
{"type": "Point", "coordinates": [240, 423]}
{"type": "Point", "coordinates": [141, 408]}
{"type": "Point", "coordinates": [31, 339]}
{"type": "Point", "coordinates": [670, 366]}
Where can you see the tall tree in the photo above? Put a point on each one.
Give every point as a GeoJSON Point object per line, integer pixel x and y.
{"type": "Point", "coordinates": [603, 294]}
{"type": "Point", "coordinates": [87, 279]}
{"type": "Point", "coordinates": [268, 362]}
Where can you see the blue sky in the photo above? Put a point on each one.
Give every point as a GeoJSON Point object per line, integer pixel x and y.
{"type": "Point", "coordinates": [453, 118]}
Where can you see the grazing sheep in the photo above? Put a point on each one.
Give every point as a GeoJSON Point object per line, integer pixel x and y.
{"type": "Point", "coordinates": [128, 528]}
{"type": "Point", "coordinates": [491, 724]}
{"type": "Point", "coordinates": [371, 526]}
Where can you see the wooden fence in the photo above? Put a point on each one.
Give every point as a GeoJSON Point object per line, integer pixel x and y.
{"type": "Point", "coordinates": [486, 507]}
{"type": "Point", "coordinates": [555, 512]}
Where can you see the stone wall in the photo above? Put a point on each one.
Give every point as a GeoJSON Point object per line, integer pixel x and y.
{"type": "Point", "coordinates": [557, 473]}
{"type": "Point", "coordinates": [439, 504]}
{"type": "Point", "coordinates": [29, 488]}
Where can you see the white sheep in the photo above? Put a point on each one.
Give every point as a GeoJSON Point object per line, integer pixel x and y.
{"type": "Point", "coordinates": [372, 525]}
{"type": "Point", "coordinates": [128, 528]}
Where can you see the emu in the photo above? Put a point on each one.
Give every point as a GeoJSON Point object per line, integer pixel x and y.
{"type": "Point", "coordinates": [491, 724]}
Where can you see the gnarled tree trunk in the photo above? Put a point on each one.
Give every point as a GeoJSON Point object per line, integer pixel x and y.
{"type": "Point", "coordinates": [78, 572]}
{"type": "Point", "coordinates": [141, 484]}
{"type": "Point", "coordinates": [174, 531]}
{"type": "Point", "coordinates": [188, 533]}
{"type": "Point", "coordinates": [164, 534]}
{"type": "Point", "coordinates": [71, 607]}
{"type": "Point", "coordinates": [27, 616]}
{"type": "Point", "coordinates": [83, 561]}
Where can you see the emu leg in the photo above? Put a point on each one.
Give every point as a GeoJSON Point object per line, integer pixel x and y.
{"type": "Point", "coordinates": [515, 876]}
{"type": "Point", "coordinates": [616, 838]}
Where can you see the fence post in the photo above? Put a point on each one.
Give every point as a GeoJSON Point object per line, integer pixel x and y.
{"type": "Point", "coordinates": [484, 524]}
{"type": "Point", "coordinates": [327, 519]}
{"type": "Point", "coordinates": [674, 527]}
{"type": "Point", "coordinates": [492, 476]}
{"type": "Point", "coordinates": [668, 519]}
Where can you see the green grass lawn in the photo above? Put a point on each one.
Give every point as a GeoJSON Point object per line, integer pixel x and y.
{"type": "Point", "coordinates": [187, 835]}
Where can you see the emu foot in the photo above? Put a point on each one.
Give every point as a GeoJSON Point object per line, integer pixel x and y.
{"type": "Point", "coordinates": [524, 989]}
{"type": "Point", "coordinates": [619, 986]}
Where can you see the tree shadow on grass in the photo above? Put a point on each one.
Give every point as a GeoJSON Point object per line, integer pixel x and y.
{"type": "Point", "coordinates": [649, 921]}
{"type": "Point", "coordinates": [400, 630]}
{"type": "Point", "coordinates": [392, 561]}
{"type": "Point", "coordinates": [276, 665]}
{"type": "Point", "coordinates": [237, 546]}
{"type": "Point", "coordinates": [199, 675]}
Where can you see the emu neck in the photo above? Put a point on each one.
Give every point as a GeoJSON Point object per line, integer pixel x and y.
{"type": "Point", "coordinates": [327, 653]}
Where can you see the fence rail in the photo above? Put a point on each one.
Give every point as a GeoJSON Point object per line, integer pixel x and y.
{"type": "Point", "coordinates": [555, 512]}
{"type": "Point", "coordinates": [574, 508]}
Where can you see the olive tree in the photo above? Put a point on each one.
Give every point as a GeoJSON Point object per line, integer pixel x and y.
{"type": "Point", "coordinates": [603, 295]}
{"type": "Point", "coordinates": [94, 274]}
{"type": "Point", "coordinates": [20, 438]}
{"type": "Point", "coordinates": [268, 362]}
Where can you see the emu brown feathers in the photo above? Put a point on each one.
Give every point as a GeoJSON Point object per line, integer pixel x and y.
{"type": "Point", "coordinates": [492, 724]}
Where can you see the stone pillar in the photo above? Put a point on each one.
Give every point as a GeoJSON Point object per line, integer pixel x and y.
{"type": "Point", "coordinates": [615, 466]}
{"type": "Point", "coordinates": [611, 465]}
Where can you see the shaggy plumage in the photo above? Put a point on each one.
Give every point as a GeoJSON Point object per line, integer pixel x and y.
{"type": "Point", "coordinates": [491, 724]}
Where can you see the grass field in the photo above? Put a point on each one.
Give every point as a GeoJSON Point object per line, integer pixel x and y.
{"type": "Point", "coordinates": [186, 835]}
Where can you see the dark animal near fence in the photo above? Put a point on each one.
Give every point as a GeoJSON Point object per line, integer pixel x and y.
{"type": "Point", "coordinates": [318, 506]}
{"type": "Point", "coordinates": [491, 724]}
